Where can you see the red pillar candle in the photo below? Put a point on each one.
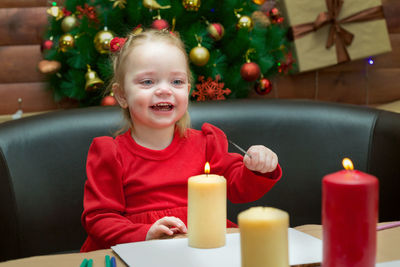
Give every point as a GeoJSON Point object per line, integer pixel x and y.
{"type": "Point", "coordinates": [349, 218]}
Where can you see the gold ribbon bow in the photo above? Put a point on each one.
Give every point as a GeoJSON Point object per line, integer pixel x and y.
{"type": "Point", "coordinates": [337, 34]}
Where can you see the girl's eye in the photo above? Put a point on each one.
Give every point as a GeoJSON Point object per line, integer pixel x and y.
{"type": "Point", "coordinates": [178, 82]}
{"type": "Point", "coordinates": [146, 82]}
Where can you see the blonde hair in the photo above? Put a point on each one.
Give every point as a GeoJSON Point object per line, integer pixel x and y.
{"type": "Point", "coordinates": [119, 58]}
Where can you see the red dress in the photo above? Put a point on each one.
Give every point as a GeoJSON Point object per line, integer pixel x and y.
{"type": "Point", "coordinates": [129, 187]}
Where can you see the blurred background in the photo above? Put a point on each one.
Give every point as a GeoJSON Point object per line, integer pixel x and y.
{"type": "Point", "coordinates": [31, 32]}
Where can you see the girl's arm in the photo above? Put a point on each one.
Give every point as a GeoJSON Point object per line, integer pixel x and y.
{"type": "Point", "coordinates": [243, 184]}
{"type": "Point", "coordinates": [104, 201]}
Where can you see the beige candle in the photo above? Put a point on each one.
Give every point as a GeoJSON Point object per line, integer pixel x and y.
{"type": "Point", "coordinates": [206, 210]}
{"type": "Point", "coordinates": [264, 237]}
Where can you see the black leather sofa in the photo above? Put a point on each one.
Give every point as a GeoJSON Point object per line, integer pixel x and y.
{"type": "Point", "coordinates": [42, 162]}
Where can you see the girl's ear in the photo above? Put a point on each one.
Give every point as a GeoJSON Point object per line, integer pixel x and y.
{"type": "Point", "coordinates": [119, 94]}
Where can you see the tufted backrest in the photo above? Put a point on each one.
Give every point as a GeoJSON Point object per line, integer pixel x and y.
{"type": "Point", "coordinates": [42, 162]}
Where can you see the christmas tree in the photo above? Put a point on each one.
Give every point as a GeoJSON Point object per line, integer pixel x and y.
{"type": "Point", "coordinates": [235, 46]}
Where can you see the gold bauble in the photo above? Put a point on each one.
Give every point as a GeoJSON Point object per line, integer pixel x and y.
{"type": "Point", "coordinates": [68, 23]}
{"type": "Point", "coordinates": [66, 42]}
{"type": "Point", "coordinates": [245, 22]}
{"type": "Point", "coordinates": [199, 55]}
{"type": "Point", "coordinates": [102, 41]}
{"type": "Point", "coordinates": [191, 5]}
{"type": "Point", "coordinates": [93, 82]}
{"type": "Point", "coordinates": [258, 2]}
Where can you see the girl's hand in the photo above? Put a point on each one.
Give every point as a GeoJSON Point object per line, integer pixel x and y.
{"type": "Point", "coordinates": [166, 226]}
{"type": "Point", "coordinates": [262, 159]}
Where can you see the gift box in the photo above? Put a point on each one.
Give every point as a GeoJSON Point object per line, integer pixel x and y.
{"type": "Point", "coordinates": [328, 32]}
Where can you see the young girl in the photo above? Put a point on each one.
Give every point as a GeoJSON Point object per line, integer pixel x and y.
{"type": "Point", "coordinates": [136, 186]}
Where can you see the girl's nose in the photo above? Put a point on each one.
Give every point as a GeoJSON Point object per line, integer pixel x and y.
{"type": "Point", "coordinates": [163, 89]}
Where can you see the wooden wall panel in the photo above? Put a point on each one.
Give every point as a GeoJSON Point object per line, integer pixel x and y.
{"type": "Point", "coordinates": [23, 3]}
{"type": "Point", "coordinates": [21, 26]}
{"type": "Point", "coordinates": [391, 9]}
{"type": "Point", "coordinates": [345, 87]}
{"type": "Point", "coordinates": [384, 85]}
{"type": "Point", "coordinates": [19, 64]}
{"type": "Point", "coordinates": [34, 97]}
{"type": "Point", "coordinates": [296, 86]}
{"type": "Point", "coordinates": [392, 59]}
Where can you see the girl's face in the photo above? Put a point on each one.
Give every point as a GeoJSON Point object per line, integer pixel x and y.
{"type": "Point", "coordinates": [156, 85]}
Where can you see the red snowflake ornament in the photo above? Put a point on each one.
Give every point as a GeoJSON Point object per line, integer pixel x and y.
{"type": "Point", "coordinates": [87, 11]}
{"type": "Point", "coordinates": [210, 89]}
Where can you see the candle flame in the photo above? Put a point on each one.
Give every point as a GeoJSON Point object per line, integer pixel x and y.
{"type": "Point", "coordinates": [347, 164]}
{"type": "Point", "coordinates": [207, 168]}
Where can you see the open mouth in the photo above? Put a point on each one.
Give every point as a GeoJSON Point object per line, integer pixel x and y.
{"type": "Point", "coordinates": [162, 107]}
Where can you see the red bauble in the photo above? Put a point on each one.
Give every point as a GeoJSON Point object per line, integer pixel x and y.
{"type": "Point", "coordinates": [46, 45]}
{"type": "Point", "coordinates": [108, 101]}
{"type": "Point", "coordinates": [160, 24]}
{"type": "Point", "coordinates": [250, 71]}
{"type": "Point", "coordinates": [263, 86]}
{"type": "Point", "coordinates": [216, 31]}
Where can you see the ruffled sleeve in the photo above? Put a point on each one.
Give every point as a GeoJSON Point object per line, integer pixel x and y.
{"type": "Point", "coordinates": [104, 201]}
{"type": "Point", "coordinates": [243, 185]}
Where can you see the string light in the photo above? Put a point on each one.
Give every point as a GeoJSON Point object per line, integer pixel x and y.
{"type": "Point", "coordinates": [370, 61]}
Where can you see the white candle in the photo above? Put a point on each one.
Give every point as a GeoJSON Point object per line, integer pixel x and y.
{"type": "Point", "coordinates": [206, 211]}
{"type": "Point", "coordinates": [264, 237]}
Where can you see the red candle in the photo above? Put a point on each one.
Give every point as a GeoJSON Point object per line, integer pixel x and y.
{"type": "Point", "coordinates": [349, 218]}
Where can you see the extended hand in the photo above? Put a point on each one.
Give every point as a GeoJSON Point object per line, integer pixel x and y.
{"type": "Point", "coordinates": [262, 159]}
{"type": "Point", "coordinates": [166, 226]}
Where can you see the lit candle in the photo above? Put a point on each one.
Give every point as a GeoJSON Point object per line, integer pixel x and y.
{"type": "Point", "coordinates": [206, 210]}
{"type": "Point", "coordinates": [264, 237]}
{"type": "Point", "coordinates": [349, 217]}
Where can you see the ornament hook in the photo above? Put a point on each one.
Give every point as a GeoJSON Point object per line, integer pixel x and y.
{"type": "Point", "coordinates": [236, 10]}
{"type": "Point", "coordinates": [248, 52]}
{"type": "Point", "coordinates": [158, 16]}
{"type": "Point", "coordinates": [173, 24]}
{"type": "Point", "coordinates": [199, 39]}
